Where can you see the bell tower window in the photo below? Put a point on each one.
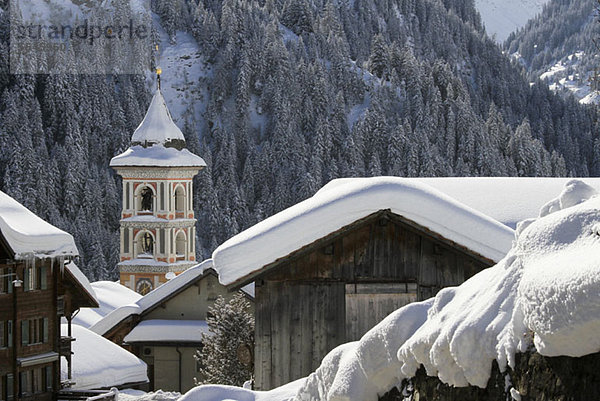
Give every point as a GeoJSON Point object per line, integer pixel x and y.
{"type": "Point", "coordinates": [180, 243]}
{"type": "Point", "coordinates": [180, 202]}
{"type": "Point", "coordinates": [145, 245]}
{"type": "Point", "coordinates": [146, 199]}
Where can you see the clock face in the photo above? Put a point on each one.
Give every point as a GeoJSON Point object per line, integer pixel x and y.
{"type": "Point", "coordinates": [143, 286]}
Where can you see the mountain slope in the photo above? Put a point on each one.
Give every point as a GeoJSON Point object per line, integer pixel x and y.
{"type": "Point", "coordinates": [558, 48]}
{"type": "Point", "coordinates": [280, 97]}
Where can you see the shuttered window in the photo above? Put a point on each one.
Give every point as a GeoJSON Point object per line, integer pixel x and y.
{"type": "Point", "coordinates": [25, 332]}
{"type": "Point", "coordinates": [43, 278]}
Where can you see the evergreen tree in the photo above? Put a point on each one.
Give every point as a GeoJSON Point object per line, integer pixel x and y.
{"type": "Point", "coordinates": [231, 333]}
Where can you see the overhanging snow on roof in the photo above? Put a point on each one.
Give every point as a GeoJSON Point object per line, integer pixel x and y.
{"type": "Point", "coordinates": [343, 202]}
{"type": "Point", "coordinates": [28, 235]}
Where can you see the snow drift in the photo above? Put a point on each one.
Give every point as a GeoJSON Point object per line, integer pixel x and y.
{"type": "Point", "coordinates": [544, 291]}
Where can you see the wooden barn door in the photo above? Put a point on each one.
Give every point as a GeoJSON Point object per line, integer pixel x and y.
{"type": "Point", "coordinates": [369, 303]}
{"type": "Point", "coordinates": [297, 324]}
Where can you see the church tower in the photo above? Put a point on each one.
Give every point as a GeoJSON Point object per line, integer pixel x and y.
{"type": "Point", "coordinates": [157, 220]}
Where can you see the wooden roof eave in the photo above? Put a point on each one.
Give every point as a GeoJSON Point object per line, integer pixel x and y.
{"type": "Point", "coordinates": [86, 299]}
{"type": "Point", "coordinates": [6, 247]}
{"type": "Point", "coordinates": [384, 213]}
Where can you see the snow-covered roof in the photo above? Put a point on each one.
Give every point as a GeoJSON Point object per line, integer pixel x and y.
{"type": "Point", "coordinates": [506, 199]}
{"type": "Point", "coordinates": [27, 235]}
{"type": "Point", "coordinates": [157, 141]}
{"type": "Point", "coordinates": [346, 201]}
{"type": "Point", "coordinates": [159, 330]}
{"type": "Point", "coordinates": [83, 281]}
{"type": "Point", "coordinates": [110, 295]}
{"type": "Point", "coordinates": [157, 127]}
{"type": "Point", "coordinates": [156, 156]}
{"type": "Point", "coordinates": [100, 363]}
{"type": "Point", "coordinates": [153, 298]}
{"type": "Point", "coordinates": [547, 284]}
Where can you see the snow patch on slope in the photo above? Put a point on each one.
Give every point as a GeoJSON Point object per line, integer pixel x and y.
{"type": "Point", "coordinates": [501, 17]}
{"type": "Point", "coordinates": [183, 82]}
{"type": "Point", "coordinates": [561, 79]}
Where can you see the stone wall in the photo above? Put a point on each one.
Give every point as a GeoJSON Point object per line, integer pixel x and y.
{"type": "Point", "coordinates": [535, 377]}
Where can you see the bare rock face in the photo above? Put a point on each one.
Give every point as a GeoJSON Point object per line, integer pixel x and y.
{"type": "Point", "coordinates": [535, 378]}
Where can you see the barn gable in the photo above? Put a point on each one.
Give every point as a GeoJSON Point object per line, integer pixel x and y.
{"type": "Point", "coordinates": [334, 290]}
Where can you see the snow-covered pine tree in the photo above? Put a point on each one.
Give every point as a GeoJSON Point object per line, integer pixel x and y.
{"type": "Point", "coordinates": [231, 332]}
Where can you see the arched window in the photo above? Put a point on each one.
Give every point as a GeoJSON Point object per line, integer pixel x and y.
{"type": "Point", "coordinates": [180, 201]}
{"type": "Point", "coordinates": [145, 245]}
{"type": "Point", "coordinates": [180, 243]}
{"type": "Point", "coordinates": [145, 199]}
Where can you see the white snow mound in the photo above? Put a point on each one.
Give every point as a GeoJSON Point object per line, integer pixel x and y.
{"type": "Point", "coordinates": [546, 285]}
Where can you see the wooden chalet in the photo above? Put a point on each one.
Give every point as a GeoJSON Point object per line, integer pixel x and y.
{"type": "Point", "coordinates": [39, 284]}
{"type": "Point", "coordinates": [164, 328]}
{"type": "Point", "coordinates": [333, 288]}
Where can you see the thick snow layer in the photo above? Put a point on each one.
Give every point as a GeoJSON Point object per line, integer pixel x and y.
{"type": "Point", "coordinates": [28, 235]}
{"type": "Point", "coordinates": [110, 295]}
{"type": "Point", "coordinates": [157, 126]}
{"type": "Point", "coordinates": [152, 298]}
{"type": "Point", "coordinates": [168, 330]}
{"type": "Point", "coordinates": [158, 156]}
{"type": "Point", "coordinates": [230, 393]}
{"type": "Point", "coordinates": [545, 288]}
{"type": "Point", "coordinates": [506, 199]}
{"type": "Point", "coordinates": [336, 206]}
{"type": "Point", "coordinates": [100, 363]}
{"type": "Point", "coordinates": [501, 17]}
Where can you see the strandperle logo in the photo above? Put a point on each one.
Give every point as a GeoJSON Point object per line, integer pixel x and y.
{"type": "Point", "coordinates": [80, 36]}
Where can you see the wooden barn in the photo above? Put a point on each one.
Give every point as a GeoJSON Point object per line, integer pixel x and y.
{"type": "Point", "coordinates": [328, 269]}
